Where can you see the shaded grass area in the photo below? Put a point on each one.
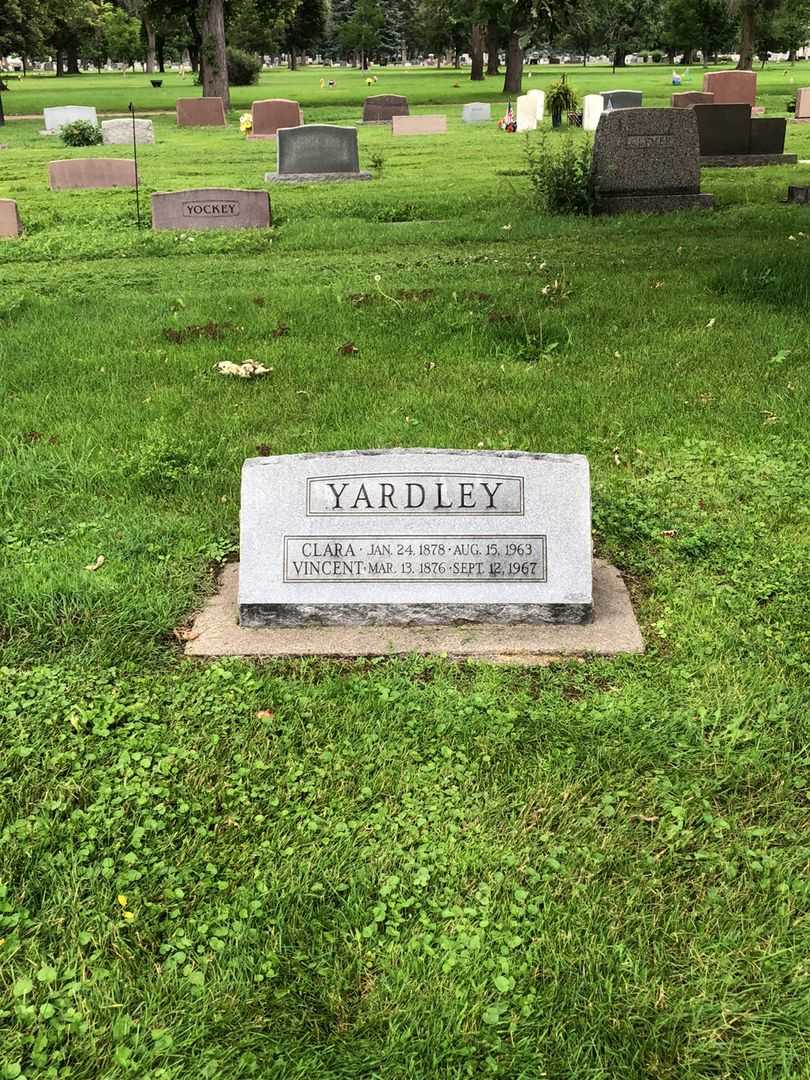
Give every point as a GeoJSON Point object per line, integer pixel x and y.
{"type": "Point", "coordinates": [403, 868]}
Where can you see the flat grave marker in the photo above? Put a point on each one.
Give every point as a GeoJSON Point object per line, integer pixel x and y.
{"type": "Point", "coordinates": [477, 112]}
{"type": "Point", "coordinates": [211, 208]}
{"type": "Point", "coordinates": [10, 224]}
{"type": "Point", "coordinates": [419, 125]}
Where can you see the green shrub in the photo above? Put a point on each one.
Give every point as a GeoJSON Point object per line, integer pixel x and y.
{"type": "Point", "coordinates": [80, 133]}
{"type": "Point", "coordinates": [244, 68]}
{"type": "Point", "coordinates": [560, 175]}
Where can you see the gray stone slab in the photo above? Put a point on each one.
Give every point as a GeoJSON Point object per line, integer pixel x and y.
{"type": "Point", "coordinates": [477, 112]}
{"type": "Point", "coordinates": [768, 135]}
{"type": "Point", "coordinates": [211, 208]}
{"type": "Point", "coordinates": [314, 178]}
{"type": "Point", "coordinates": [59, 115]}
{"type": "Point", "coordinates": [796, 194]}
{"type": "Point", "coordinates": [647, 152]}
{"type": "Point", "coordinates": [613, 631]}
{"type": "Point", "coordinates": [622, 99]}
{"type": "Point", "coordinates": [415, 537]}
{"type": "Point", "coordinates": [318, 149]}
{"type": "Point", "coordinates": [118, 132]}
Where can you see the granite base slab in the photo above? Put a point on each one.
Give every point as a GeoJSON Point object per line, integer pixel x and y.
{"type": "Point", "coordinates": [740, 161]}
{"type": "Point", "coordinates": [613, 631]}
{"type": "Point", "coordinates": [314, 178]}
{"type": "Point", "coordinates": [655, 204]}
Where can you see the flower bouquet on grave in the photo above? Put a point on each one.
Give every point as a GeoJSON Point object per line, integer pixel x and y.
{"type": "Point", "coordinates": [508, 123]}
{"type": "Point", "coordinates": [246, 123]}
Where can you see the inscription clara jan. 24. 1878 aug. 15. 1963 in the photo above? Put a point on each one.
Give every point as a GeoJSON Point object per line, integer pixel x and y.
{"type": "Point", "coordinates": [415, 537]}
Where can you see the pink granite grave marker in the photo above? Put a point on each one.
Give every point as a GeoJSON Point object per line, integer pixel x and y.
{"type": "Point", "coordinates": [269, 116]}
{"type": "Point", "coordinates": [91, 173]}
{"type": "Point", "coordinates": [200, 112]}
{"type": "Point", "coordinates": [419, 125]}
{"type": "Point", "coordinates": [10, 224]}
{"type": "Point", "coordinates": [731, 87]}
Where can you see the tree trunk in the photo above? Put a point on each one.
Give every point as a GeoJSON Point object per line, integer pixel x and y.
{"type": "Point", "coordinates": [746, 61]}
{"type": "Point", "coordinates": [477, 52]}
{"type": "Point", "coordinates": [73, 61]}
{"type": "Point", "coordinates": [160, 45]}
{"type": "Point", "coordinates": [513, 80]}
{"type": "Point", "coordinates": [791, 57]}
{"type": "Point", "coordinates": [2, 114]}
{"type": "Point", "coordinates": [214, 63]}
{"type": "Point", "coordinates": [619, 57]}
{"type": "Point", "coordinates": [492, 48]}
{"type": "Point", "coordinates": [688, 57]}
{"type": "Point", "coordinates": [149, 30]}
{"type": "Point", "coordinates": [60, 70]}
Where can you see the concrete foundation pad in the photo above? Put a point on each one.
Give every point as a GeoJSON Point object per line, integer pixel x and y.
{"type": "Point", "coordinates": [614, 630]}
{"type": "Point", "coordinates": [314, 178]}
{"type": "Point", "coordinates": [739, 161]}
{"type": "Point", "coordinates": [655, 204]}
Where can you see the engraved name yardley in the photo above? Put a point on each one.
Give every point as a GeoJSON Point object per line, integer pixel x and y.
{"type": "Point", "coordinates": [415, 493]}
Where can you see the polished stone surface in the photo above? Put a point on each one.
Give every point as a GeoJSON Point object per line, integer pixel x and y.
{"type": "Point", "coordinates": [211, 208]}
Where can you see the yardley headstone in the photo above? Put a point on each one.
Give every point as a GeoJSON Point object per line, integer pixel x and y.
{"type": "Point", "coordinates": [56, 117]}
{"type": "Point", "coordinates": [210, 208]}
{"type": "Point", "coordinates": [317, 152]}
{"type": "Point", "coordinates": [119, 132]}
{"type": "Point", "coordinates": [415, 537]}
{"type": "Point", "coordinates": [477, 112]}
{"type": "Point", "coordinates": [648, 160]}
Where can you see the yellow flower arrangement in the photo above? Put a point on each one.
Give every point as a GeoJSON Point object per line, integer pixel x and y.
{"type": "Point", "coordinates": [246, 123]}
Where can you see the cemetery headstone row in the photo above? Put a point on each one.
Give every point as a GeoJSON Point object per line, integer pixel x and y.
{"type": "Point", "coordinates": [268, 116]}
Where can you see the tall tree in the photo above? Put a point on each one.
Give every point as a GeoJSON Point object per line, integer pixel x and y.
{"type": "Point", "coordinates": [304, 29]}
{"type": "Point", "coordinates": [751, 13]}
{"type": "Point", "coordinates": [360, 33]}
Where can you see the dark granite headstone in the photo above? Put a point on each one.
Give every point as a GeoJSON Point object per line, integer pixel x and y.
{"type": "Point", "coordinates": [382, 107]}
{"type": "Point", "coordinates": [723, 129]}
{"type": "Point", "coordinates": [317, 152]}
{"type": "Point", "coordinates": [648, 160]}
{"type": "Point", "coordinates": [622, 99]}
{"type": "Point", "coordinates": [768, 135]}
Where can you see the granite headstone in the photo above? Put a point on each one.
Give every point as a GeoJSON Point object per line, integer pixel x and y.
{"type": "Point", "coordinates": [723, 129]}
{"type": "Point", "coordinates": [803, 104]}
{"type": "Point", "coordinates": [415, 537]}
{"type": "Point", "coordinates": [91, 173]}
{"type": "Point", "coordinates": [200, 112]}
{"type": "Point", "coordinates": [691, 97]}
{"type": "Point", "coordinates": [380, 108]}
{"type": "Point", "coordinates": [419, 125]}
{"type": "Point", "coordinates": [477, 112]}
{"type": "Point", "coordinates": [540, 102]}
{"type": "Point", "coordinates": [526, 113]}
{"type": "Point", "coordinates": [768, 135]}
{"type": "Point", "coordinates": [269, 116]}
{"type": "Point", "coordinates": [59, 115]}
{"type": "Point", "coordinates": [317, 152]}
{"type": "Point", "coordinates": [210, 208]}
{"type": "Point", "coordinates": [622, 99]}
{"type": "Point", "coordinates": [648, 160]}
{"type": "Point", "coordinates": [10, 224]}
{"type": "Point", "coordinates": [731, 87]}
{"type": "Point", "coordinates": [593, 105]}
{"type": "Point", "coordinates": [119, 132]}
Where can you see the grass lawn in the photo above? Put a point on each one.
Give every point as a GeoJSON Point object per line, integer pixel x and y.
{"type": "Point", "coordinates": [411, 868]}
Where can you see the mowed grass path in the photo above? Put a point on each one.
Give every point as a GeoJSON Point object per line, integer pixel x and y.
{"type": "Point", "coordinates": [409, 868]}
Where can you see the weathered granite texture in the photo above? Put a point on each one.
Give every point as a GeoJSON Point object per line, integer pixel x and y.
{"type": "Point", "coordinates": [119, 132]}
{"type": "Point", "coordinates": [10, 224]}
{"type": "Point", "coordinates": [200, 112]}
{"type": "Point", "coordinates": [380, 108]}
{"type": "Point", "coordinates": [415, 537]}
{"type": "Point", "coordinates": [655, 204]}
{"type": "Point", "coordinates": [211, 208]}
{"type": "Point", "coordinates": [731, 87]}
{"type": "Point", "coordinates": [91, 173]}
